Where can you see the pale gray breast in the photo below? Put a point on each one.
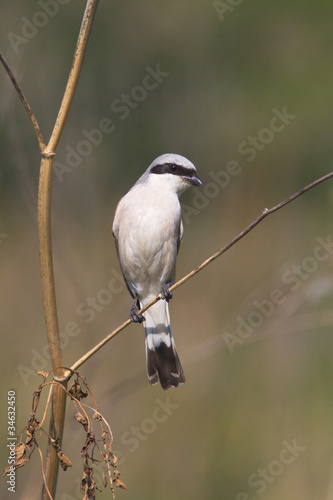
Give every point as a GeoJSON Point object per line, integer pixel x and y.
{"type": "Point", "coordinates": [148, 238]}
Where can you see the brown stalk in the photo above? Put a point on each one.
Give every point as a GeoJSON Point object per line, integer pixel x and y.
{"type": "Point", "coordinates": [45, 247]}
{"type": "Point", "coordinates": [24, 102]}
{"type": "Point", "coordinates": [58, 403]}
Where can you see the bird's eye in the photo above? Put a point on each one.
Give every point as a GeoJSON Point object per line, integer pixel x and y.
{"type": "Point", "coordinates": [173, 168]}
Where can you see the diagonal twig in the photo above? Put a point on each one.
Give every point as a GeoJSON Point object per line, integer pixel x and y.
{"type": "Point", "coordinates": [24, 102]}
{"type": "Point", "coordinates": [265, 213]}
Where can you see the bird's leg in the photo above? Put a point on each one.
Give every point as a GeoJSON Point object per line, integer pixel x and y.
{"type": "Point", "coordinates": [165, 292]}
{"type": "Point", "coordinates": [135, 316]}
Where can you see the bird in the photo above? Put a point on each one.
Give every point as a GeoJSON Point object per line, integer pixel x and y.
{"type": "Point", "coordinates": [148, 230]}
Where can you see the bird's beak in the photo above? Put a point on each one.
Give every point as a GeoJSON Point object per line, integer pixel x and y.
{"type": "Point", "coordinates": [194, 180]}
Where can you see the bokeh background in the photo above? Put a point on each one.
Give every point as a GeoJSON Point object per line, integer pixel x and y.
{"type": "Point", "coordinates": [254, 419]}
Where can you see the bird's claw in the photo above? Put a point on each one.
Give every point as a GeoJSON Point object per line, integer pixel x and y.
{"type": "Point", "coordinates": [135, 316]}
{"type": "Point", "coordinates": [165, 292]}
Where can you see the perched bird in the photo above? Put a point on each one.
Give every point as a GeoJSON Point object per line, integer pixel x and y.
{"type": "Point", "coordinates": [148, 229]}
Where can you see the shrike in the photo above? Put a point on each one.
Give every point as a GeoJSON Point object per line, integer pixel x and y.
{"type": "Point", "coordinates": [148, 229]}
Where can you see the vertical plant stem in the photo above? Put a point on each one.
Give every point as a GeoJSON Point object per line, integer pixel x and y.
{"type": "Point", "coordinates": [46, 263]}
{"type": "Point", "coordinates": [58, 406]}
{"type": "Point", "coordinates": [56, 428]}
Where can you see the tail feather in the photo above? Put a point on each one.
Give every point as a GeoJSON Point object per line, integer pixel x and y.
{"type": "Point", "coordinates": [163, 363]}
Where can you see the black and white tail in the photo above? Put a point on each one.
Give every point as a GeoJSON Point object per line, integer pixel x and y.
{"type": "Point", "coordinates": [162, 358]}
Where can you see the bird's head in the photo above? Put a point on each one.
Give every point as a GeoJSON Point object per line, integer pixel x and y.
{"type": "Point", "coordinates": [173, 171]}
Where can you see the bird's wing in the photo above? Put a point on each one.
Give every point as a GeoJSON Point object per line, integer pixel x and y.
{"type": "Point", "coordinates": [114, 234]}
{"type": "Point", "coordinates": [180, 234]}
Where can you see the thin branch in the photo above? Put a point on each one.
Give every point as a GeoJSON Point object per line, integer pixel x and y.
{"type": "Point", "coordinates": [46, 406]}
{"type": "Point", "coordinates": [43, 472]}
{"type": "Point", "coordinates": [25, 103]}
{"type": "Point", "coordinates": [265, 213]}
{"type": "Point", "coordinates": [115, 332]}
{"type": "Point", "coordinates": [74, 75]}
{"type": "Point", "coordinates": [204, 264]}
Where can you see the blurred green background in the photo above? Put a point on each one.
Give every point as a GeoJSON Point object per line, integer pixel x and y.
{"type": "Point", "coordinates": [254, 419]}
